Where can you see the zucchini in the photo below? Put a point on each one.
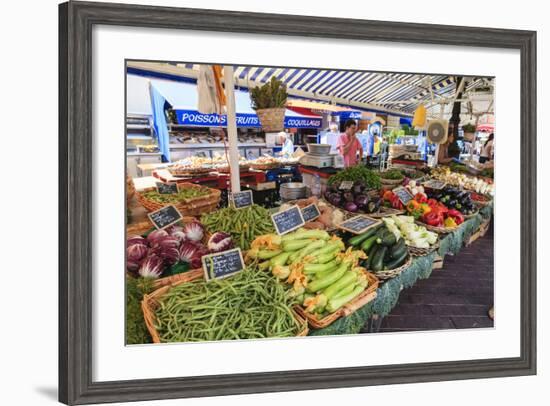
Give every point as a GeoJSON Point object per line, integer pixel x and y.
{"type": "Point", "coordinates": [397, 250]}
{"type": "Point", "coordinates": [388, 239]}
{"type": "Point", "coordinates": [319, 284]}
{"type": "Point", "coordinates": [368, 243]}
{"type": "Point", "coordinates": [378, 258]}
{"type": "Point", "coordinates": [371, 255]}
{"type": "Point", "coordinates": [358, 239]}
{"type": "Point", "coordinates": [397, 262]}
{"type": "Point", "coordinates": [348, 278]}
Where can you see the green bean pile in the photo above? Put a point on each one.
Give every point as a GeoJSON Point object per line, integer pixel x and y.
{"type": "Point", "coordinates": [184, 193]}
{"type": "Point", "coordinates": [244, 225]}
{"type": "Point", "coordinates": [250, 304]}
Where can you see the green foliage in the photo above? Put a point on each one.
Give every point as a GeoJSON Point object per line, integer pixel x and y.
{"type": "Point", "coordinates": [409, 130]}
{"type": "Point", "coordinates": [469, 128]}
{"type": "Point", "coordinates": [357, 173]}
{"type": "Point", "coordinates": [271, 94]}
{"type": "Point", "coordinates": [136, 331]}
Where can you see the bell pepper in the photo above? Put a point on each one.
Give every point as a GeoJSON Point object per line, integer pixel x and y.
{"type": "Point", "coordinates": [450, 223]}
{"type": "Point", "coordinates": [425, 208]}
{"type": "Point", "coordinates": [420, 198]}
{"type": "Point", "coordinates": [457, 216]}
{"type": "Point", "coordinates": [433, 219]}
{"type": "Point", "coordinates": [412, 206]}
{"type": "Point", "coordinates": [432, 202]}
{"type": "Point", "coordinates": [396, 203]}
{"type": "Point", "coordinates": [388, 195]}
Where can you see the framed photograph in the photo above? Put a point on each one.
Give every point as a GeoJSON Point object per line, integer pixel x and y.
{"type": "Point", "coordinates": [167, 112]}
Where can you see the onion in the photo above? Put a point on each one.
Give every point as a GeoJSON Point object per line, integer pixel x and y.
{"type": "Point", "coordinates": [350, 206]}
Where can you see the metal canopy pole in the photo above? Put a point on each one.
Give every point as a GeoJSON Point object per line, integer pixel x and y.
{"type": "Point", "coordinates": [232, 129]}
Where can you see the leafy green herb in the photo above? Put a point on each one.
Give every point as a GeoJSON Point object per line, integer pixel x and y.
{"type": "Point", "coordinates": [357, 173]}
{"type": "Point", "coordinates": [393, 174]}
{"type": "Point", "coordinates": [136, 330]}
{"type": "Point", "coordinates": [271, 94]}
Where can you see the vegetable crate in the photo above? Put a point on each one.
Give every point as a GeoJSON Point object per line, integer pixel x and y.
{"type": "Point", "coordinates": [481, 231]}
{"type": "Point", "coordinates": [151, 301]}
{"type": "Point", "coordinates": [368, 295]}
{"type": "Point", "coordinates": [189, 206]}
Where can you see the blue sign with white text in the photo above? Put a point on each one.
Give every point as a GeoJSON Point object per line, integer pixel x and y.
{"type": "Point", "coordinates": [195, 118]}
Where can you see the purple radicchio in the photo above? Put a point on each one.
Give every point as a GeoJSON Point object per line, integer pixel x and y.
{"type": "Point", "coordinates": [136, 239]}
{"type": "Point", "coordinates": [167, 249]}
{"type": "Point", "coordinates": [151, 267]}
{"type": "Point", "coordinates": [220, 241]}
{"type": "Point", "coordinates": [177, 231]}
{"type": "Point", "coordinates": [192, 253]}
{"type": "Point", "coordinates": [194, 231]}
{"type": "Point", "coordinates": [155, 235]}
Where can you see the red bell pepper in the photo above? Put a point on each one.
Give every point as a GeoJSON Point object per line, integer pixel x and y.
{"type": "Point", "coordinates": [432, 203]}
{"type": "Point", "coordinates": [456, 216]}
{"type": "Point", "coordinates": [420, 198]}
{"type": "Point", "coordinates": [433, 219]}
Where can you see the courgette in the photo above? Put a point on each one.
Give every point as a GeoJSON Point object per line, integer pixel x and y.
{"type": "Point", "coordinates": [388, 239]}
{"type": "Point", "coordinates": [378, 259]}
{"type": "Point", "coordinates": [397, 250]}
{"type": "Point", "coordinates": [368, 243]}
{"type": "Point", "coordinates": [397, 262]}
{"type": "Point", "coordinates": [358, 239]}
{"type": "Point", "coordinates": [371, 254]}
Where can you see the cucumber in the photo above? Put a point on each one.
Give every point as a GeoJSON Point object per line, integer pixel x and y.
{"type": "Point", "coordinates": [371, 254]}
{"type": "Point", "coordinates": [378, 259]}
{"type": "Point", "coordinates": [397, 250]}
{"type": "Point", "coordinates": [358, 239]}
{"type": "Point", "coordinates": [388, 239]}
{"type": "Point", "coordinates": [368, 243]}
{"type": "Point", "coordinates": [397, 262]}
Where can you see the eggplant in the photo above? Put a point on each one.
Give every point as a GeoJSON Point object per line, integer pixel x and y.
{"type": "Point", "coordinates": [361, 201]}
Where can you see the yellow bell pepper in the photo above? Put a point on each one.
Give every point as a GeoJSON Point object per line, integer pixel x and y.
{"type": "Point", "coordinates": [449, 223]}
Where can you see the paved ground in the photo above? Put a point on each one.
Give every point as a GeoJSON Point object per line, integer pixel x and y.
{"type": "Point", "coordinates": [456, 296]}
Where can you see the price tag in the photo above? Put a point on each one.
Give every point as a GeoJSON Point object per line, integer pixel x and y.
{"type": "Point", "coordinates": [165, 217]}
{"type": "Point", "coordinates": [358, 224]}
{"type": "Point", "coordinates": [167, 188]}
{"type": "Point", "coordinates": [287, 220]}
{"type": "Point", "coordinates": [404, 195]}
{"type": "Point", "coordinates": [311, 212]}
{"type": "Point", "coordinates": [222, 264]}
{"type": "Point", "coordinates": [434, 184]}
{"type": "Point", "coordinates": [346, 185]}
{"type": "Point", "coordinates": [242, 199]}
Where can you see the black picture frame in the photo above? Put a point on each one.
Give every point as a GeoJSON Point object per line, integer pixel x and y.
{"type": "Point", "coordinates": [76, 20]}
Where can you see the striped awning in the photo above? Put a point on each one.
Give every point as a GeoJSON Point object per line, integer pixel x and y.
{"type": "Point", "coordinates": [397, 93]}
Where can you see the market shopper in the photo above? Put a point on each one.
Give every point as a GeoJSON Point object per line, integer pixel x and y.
{"type": "Point", "coordinates": [444, 157]}
{"type": "Point", "coordinates": [348, 145]}
{"type": "Point", "coordinates": [487, 149]}
{"type": "Point", "coordinates": [288, 146]}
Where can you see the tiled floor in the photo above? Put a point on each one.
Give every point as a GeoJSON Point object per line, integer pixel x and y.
{"type": "Point", "coordinates": [457, 296]}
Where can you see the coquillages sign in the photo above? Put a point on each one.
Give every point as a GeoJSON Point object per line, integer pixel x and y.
{"type": "Point", "coordinates": [195, 118]}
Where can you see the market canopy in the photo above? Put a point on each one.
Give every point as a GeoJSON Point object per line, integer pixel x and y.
{"type": "Point", "coordinates": [392, 93]}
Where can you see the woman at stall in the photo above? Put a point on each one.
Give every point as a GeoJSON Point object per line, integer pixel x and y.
{"type": "Point", "coordinates": [487, 150]}
{"type": "Point", "coordinates": [444, 156]}
{"type": "Point", "coordinates": [348, 145]}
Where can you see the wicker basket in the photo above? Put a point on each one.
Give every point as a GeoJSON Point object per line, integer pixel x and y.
{"type": "Point", "coordinates": [392, 273]}
{"type": "Point", "coordinates": [368, 295]}
{"type": "Point", "coordinates": [188, 207]}
{"type": "Point", "coordinates": [391, 182]}
{"type": "Point", "coordinates": [420, 252]}
{"type": "Point", "coordinates": [150, 304]}
{"type": "Point", "coordinates": [438, 230]}
{"type": "Point", "coordinates": [469, 216]}
{"type": "Point", "coordinates": [386, 211]}
{"type": "Point", "coordinates": [266, 166]}
{"type": "Point", "coordinates": [189, 172]}
{"type": "Point", "coordinates": [272, 119]}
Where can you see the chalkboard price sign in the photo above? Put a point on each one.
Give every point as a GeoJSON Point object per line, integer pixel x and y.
{"type": "Point", "coordinates": [346, 185]}
{"type": "Point", "coordinates": [164, 217]}
{"type": "Point", "coordinates": [167, 188]}
{"type": "Point", "coordinates": [287, 220]}
{"type": "Point", "coordinates": [434, 184]}
{"type": "Point", "coordinates": [311, 212]}
{"type": "Point", "coordinates": [404, 195]}
{"type": "Point", "coordinates": [242, 199]}
{"type": "Point", "coordinates": [358, 224]}
{"type": "Point", "coordinates": [222, 264]}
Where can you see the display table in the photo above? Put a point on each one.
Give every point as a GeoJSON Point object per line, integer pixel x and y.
{"type": "Point", "coordinates": [420, 268]}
